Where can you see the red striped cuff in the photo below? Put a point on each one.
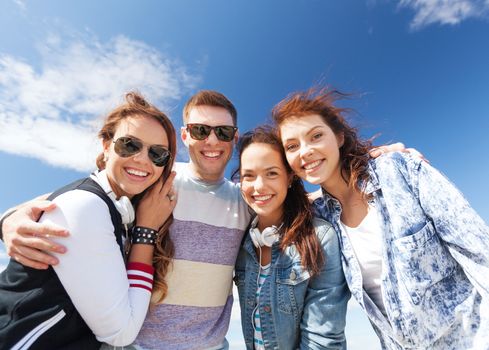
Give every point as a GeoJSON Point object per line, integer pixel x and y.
{"type": "Point", "coordinates": [140, 276]}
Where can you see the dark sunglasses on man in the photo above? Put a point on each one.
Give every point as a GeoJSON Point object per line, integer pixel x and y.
{"type": "Point", "coordinates": [202, 131]}
{"type": "Point", "coordinates": [128, 146]}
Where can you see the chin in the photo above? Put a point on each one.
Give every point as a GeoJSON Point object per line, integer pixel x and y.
{"type": "Point", "coordinates": [258, 211]}
{"type": "Point", "coordinates": [313, 181]}
{"type": "Point", "coordinates": [131, 191]}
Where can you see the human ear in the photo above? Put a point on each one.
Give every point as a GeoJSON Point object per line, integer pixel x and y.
{"type": "Point", "coordinates": [340, 139]}
{"type": "Point", "coordinates": [106, 146]}
{"type": "Point", "coordinates": [184, 135]}
{"type": "Point", "coordinates": [290, 180]}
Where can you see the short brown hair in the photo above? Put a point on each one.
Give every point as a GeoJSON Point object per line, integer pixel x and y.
{"type": "Point", "coordinates": [210, 98]}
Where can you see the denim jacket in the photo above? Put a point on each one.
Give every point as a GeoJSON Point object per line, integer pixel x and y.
{"type": "Point", "coordinates": [435, 278]}
{"type": "Point", "coordinates": [296, 311]}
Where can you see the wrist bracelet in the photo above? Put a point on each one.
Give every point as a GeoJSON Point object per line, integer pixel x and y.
{"type": "Point", "coordinates": [143, 235]}
{"type": "Point", "coordinates": [2, 218]}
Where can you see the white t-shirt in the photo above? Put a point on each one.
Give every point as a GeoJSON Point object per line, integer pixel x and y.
{"type": "Point", "coordinates": [366, 240]}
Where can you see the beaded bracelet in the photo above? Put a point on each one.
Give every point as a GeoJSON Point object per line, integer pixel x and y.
{"type": "Point", "coordinates": [143, 235]}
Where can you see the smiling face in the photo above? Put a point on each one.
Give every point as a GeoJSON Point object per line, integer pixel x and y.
{"type": "Point", "coordinates": [132, 175]}
{"type": "Point", "coordinates": [264, 182]}
{"type": "Point", "coordinates": [209, 157]}
{"type": "Point", "coordinates": [312, 149]}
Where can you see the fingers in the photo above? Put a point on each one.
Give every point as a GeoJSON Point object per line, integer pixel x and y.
{"type": "Point", "coordinates": [29, 243]}
{"type": "Point", "coordinates": [32, 257]}
{"type": "Point", "coordinates": [376, 152]}
{"type": "Point", "coordinates": [395, 147]}
{"type": "Point", "coordinates": [42, 230]}
{"type": "Point", "coordinates": [157, 205]}
{"type": "Point", "coordinates": [37, 207]}
{"type": "Point", "coordinates": [398, 146]}
{"type": "Point", "coordinates": [30, 263]}
{"type": "Point", "coordinates": [42, 205]}
{"type": "Point", "coordinates": [167, 187]}
{"type": "Point", "coordinates": [414, 152]}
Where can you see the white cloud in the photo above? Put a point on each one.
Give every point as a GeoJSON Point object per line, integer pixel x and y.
{"type": "Point", "coordinates": [51, 111]}
{"type": "Point", "coordinates": [20, 4]}
{"type": "Point", "coordinates": [444, 11]}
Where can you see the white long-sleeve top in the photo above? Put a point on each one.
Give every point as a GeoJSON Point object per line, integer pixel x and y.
{"type": "Point", "coordinates": [112, 301]}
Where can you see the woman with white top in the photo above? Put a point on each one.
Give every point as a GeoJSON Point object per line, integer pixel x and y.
{"type": "Point", "coordinates": [415, 254]}
{"type": "Point", "coordinates": [92, 296]}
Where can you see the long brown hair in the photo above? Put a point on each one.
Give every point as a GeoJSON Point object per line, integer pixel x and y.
{"type": "Point", "coordinates": [298, 225]}
{"type": "Point", "coordinates": [321, 101]}
{"type": "Point", "coordinates": [136, 105]}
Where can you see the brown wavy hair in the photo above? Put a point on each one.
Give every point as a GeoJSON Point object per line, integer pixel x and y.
{"type": "Point", "coordinates": [298, 228]}
{"type": "Point", "coordinates": [354, 154]}
{"type": "Point", "coordinates": [136, 105]}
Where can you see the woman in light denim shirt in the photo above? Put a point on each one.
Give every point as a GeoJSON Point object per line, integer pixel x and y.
{"type": "Point", "coordinates": [292, 289]}
{"type": "Point", "coordinates": [415, 254]}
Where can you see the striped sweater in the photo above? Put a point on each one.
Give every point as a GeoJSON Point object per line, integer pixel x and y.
{"type": "Point", "coordinates": [209, 223]}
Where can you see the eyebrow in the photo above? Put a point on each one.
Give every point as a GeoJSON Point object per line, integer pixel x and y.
{"type": "Point", "coordinates": [244, 170]}
{"type": "Point", "coordinates": [314, 128]}
{"type": "Point", "coordinates": [144, 143]}
{"type": "Point", "coordinates": [273, 167]}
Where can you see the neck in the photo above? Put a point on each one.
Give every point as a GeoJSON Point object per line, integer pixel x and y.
{"type": "Point", "coordinates": [274, 219]}
{"type": "Point", "coordinates": [354, 205]}
{"type": "Point", "coordinates": [203, 176]}
{"type": "Point", "coordinates": [339, 189]}
{"type": "Point", "coordinates": [113, 185]}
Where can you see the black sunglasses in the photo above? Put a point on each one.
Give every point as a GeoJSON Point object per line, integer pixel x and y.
{"type": "Point", "coordinates": [201, 131]}
{"type": "Point", "coordinates": [127, 146]}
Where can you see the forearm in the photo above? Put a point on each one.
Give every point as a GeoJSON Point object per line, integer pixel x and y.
{"type": "Point", "coordinates": [324, 316]}
{"type": "Point", "coordinates": [457, 224]}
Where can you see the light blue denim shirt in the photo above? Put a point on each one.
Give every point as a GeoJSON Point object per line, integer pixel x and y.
{"type": "Point", "coordinates": [296, 311]}
{"type": "Point", "coordinates": [435, 278]}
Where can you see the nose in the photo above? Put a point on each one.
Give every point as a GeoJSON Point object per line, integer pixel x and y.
{"type": "Point", "coordinates": [259, 183]}
{"type": "Point", "coordinates": [305, 150]}
{"type": "Point", "coordinates": [212, 138]}
{"type": "Point", "coordinates": [142, 156]}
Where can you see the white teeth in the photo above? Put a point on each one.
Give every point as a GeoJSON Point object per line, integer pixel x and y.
{"type": "Point", "coordinates": [137, 172]}
{"type": "Point", "coordinates": [212, 154]}
{"type": "Point", "coordinates": [262, 198]}
{"type": "Point", "coordinates": [312, 165]}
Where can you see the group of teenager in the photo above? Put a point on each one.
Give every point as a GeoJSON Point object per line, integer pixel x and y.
{"type": "Point", "coordinates": [142, 252]}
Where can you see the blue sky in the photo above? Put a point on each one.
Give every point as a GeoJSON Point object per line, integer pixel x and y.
{"type": "Point", "coordinates": [419, 69]}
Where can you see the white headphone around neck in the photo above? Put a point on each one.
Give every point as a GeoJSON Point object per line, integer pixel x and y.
{"type": "Point", "coordinates": [267, 237]}
{"type": "Point", "coordinates": [123, 204]}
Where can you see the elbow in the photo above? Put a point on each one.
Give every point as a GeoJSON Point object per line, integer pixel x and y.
{"type": "Point", "coordinates": [122, 338]}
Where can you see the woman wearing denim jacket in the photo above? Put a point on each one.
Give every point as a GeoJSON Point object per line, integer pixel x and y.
{"type": "Point", "coordinates": [292, 289]}
{"type": "Point", "coordinates": [414, 253]}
